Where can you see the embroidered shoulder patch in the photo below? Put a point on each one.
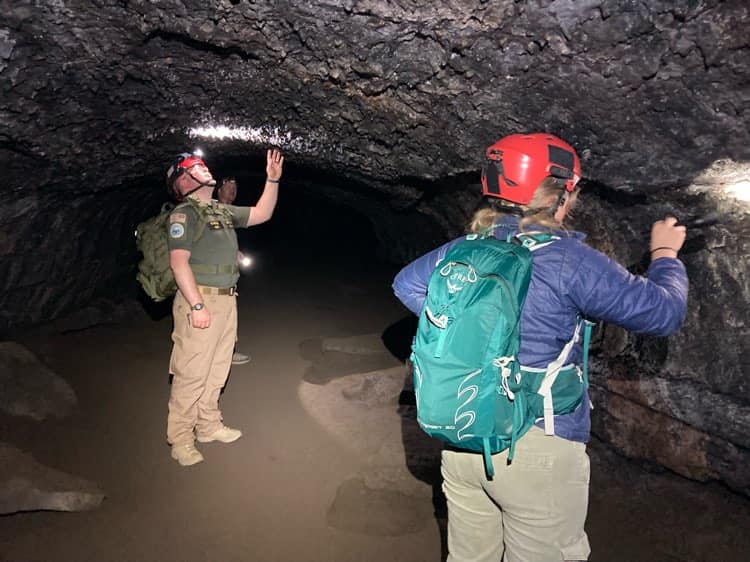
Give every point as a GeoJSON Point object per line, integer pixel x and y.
{"type": "Point", "coordinates": [177, 217]}
{"type": "Point", "coordinates": [177, 230]}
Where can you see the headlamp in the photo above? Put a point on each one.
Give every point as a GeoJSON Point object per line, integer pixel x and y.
{"type": "Point", "coordinates": [245, 261]}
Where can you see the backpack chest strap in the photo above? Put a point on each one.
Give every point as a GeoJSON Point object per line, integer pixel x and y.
{"type": "Point", "coordinates": [554, 369]}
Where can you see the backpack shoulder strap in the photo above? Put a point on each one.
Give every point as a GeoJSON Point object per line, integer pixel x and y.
{"type": "Point", "coordinates": [535, 240]}
{"type": "Point", "coordinates": [222, 208]}
{"type": "Point", "coordinates": [202, 216]}
{"type": "Point", "coordinates": [553, 369]}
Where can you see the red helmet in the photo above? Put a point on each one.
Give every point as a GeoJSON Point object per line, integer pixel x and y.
{"type": "Point", "coordinates": [180, 165]}
{"type": "Point", "coordinates": [517, 164]}
{"type": "Point", "coordinates": [183, 162]}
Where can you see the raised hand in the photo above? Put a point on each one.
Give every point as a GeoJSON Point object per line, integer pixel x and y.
{"type": "Point", "coordinates": [274, 164]}
{"type": "Point", "coordinates": [667, 238]}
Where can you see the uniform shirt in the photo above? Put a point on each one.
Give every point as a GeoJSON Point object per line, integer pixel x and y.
{"type": "Point", "coordinates": [569, 278]}
{"type": "Point", "coordinates": [217, 243]}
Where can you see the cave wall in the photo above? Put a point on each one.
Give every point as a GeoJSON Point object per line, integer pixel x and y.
{"type": "Point", "coordinates": [398, 100]}
{"type": "Point", "coordinates": [61, 252]}
{"type": "Point", "coordinates": [681, 401]}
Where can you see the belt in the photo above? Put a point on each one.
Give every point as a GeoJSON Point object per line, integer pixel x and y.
{"type": "Point", "coordinates": [231, 291]}
{"type": "Point", "coordinates": [214, 269]}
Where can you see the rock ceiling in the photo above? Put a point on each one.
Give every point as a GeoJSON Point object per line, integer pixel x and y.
{"type": "Point", "coordinates": [651, 93]}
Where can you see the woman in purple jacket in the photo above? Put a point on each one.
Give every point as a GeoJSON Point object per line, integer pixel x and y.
{"type": "Point", "coordinates": [534, 509]}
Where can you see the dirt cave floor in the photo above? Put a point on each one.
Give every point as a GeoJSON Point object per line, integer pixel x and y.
{"type": "Point", "coordinates": [311, 479]}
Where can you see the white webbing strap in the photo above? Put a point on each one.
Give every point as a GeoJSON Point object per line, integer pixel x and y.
{"type": "Point", "coordinates": [532, 243]}
{"type": "Point", "coordinates": [545, 389]}
{"type": "Point", "coordinates": [442, 323]}
{"type": "Point", "coordinates": [439, 321]}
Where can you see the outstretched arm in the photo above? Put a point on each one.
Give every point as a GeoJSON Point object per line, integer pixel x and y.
{"type": "Point", "coordinates": [410, 284]}
{"type": "Point", "coordinates": [654, 305]}
{"type": "Point", "coordinates": [263, 209]}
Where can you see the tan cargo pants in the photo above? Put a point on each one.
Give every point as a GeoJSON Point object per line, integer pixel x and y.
{"type": "Point", "coordinates": [200, 363]}
{"type": "Point", "coordinates": [533, 510]}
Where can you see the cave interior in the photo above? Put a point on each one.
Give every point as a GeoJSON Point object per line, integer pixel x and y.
{"type": "Point", "coordinates": [383, 110]}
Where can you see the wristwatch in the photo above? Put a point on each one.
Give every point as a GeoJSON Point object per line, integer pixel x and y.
{"type": "Point", "coordinates": [197, 306]}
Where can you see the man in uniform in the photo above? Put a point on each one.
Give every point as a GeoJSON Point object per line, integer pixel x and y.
{"type": "Point", "coordinates": [227, 191]}
{"type": "Point", "coordinates": [203, 256]}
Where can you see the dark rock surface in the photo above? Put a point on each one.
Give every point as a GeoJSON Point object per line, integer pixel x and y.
{"type": "Point", "coordinates": [26, 485]}
{"type": "Point", "coordinates": [680, 401]}
{"type": "Point", "coordinates": [391, 90]}
{"type": "Point", "coordinates": [385, 108]}
{"type": "Point", "coordinates": [29, 388]}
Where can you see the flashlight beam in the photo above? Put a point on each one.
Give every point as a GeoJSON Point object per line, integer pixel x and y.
{"type": "Point", "coordinates": [701, 222]}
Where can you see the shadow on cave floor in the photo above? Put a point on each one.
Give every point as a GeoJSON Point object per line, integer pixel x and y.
{"type": "Point", "coordinates": [290, 489]}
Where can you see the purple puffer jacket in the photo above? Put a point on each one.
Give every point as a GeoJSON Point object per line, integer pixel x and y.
{"type": "Point", "coordinates": [570, 279]}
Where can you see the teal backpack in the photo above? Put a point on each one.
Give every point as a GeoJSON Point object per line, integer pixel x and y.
{"type": "Point", "coordinates": [470, 390]}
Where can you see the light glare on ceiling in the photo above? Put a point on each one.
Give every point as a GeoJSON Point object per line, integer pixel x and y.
{"type": "Point", "coordinates": [726, 177]}
{"type": "Point", "coordinates": [740, 190]}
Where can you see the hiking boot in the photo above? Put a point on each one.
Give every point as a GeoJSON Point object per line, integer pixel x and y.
{"type": "Point", "coordinates": [186, 455]}
{"type": "Point", "coordinates": [240, 358]}
{"type": "Point", "coordinates": [224, 434]}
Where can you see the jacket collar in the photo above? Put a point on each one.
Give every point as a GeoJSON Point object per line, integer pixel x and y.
{"type": "Point", "coordinates": [508, 224]}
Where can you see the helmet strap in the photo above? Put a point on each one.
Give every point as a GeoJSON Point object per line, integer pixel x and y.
{"type": "Point", "coordinates": [500, 207]}
{"type": "Point", "coordinates": [200, 185]}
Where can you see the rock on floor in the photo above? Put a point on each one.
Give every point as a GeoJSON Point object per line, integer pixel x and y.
{"type": "Point", "coordinates": [26, 485]}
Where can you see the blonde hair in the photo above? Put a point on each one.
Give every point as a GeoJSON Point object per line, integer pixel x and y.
{"type": "Point", "coordinates": [537, 212]}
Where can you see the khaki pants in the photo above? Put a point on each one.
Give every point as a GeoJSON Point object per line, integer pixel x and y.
{"type": "Point", "coordinates": [200, 363]}
{"type": "Point", "coordinates": [532, 511]}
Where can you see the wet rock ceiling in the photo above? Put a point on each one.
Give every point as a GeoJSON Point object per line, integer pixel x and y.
{"type": "Point", "coordinates": [393, 102]}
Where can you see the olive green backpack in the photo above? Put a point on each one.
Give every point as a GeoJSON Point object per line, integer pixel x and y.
{"type": "Point", "coordinates": [154, 272]}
